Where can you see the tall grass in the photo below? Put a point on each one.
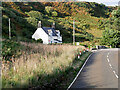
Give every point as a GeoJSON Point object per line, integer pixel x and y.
{"type": "Point", "coordinates": [38, 66]}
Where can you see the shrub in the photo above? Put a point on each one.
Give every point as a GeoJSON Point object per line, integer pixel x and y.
{"type": "Point", "coordinates": [5, 16]}
{"type": "Point", "coordinates": [40, 40]}
{"type": "Point", "coordinates": [54, 13]}
{"type": "Point", "coordinates": [25, 32]}
{"type": "Point", "coordinates": [9, 48]}
{"type": "Point", "coordinates": [111, 37]}
{"type": "Point", "coordinates": [39, 65]}
{"type": "Point", "coordinates": [16, 12]}
{"type": "Point", "coordinates": [85, 26]}
{"type": "Point", "coordinates": [8, 12]}
{"type": "Point", "coordinates": [48, 10]}
{"type": "Point", "coordinates": [34, 14]}
{"type": "Point", "coordinates": [19, 19]}
{"type": "Point", "coordinates": [32, 20]}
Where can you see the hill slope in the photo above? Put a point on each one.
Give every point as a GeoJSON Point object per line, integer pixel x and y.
{"type": "Point", "coordinates": [25, 16]}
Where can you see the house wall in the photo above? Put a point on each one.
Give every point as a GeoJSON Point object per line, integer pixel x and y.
{"type": "Point", "coordinates": [40, 34]}
{"type": "Point", "coordinates": [60, 38]}
{"type": "Point", "coordinates": [51, 39]}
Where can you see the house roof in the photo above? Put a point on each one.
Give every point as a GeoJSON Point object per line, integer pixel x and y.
{"type": "Point", "coordinates": [49, 28]}
{"type": "Point", "coordinates": [57, 40]}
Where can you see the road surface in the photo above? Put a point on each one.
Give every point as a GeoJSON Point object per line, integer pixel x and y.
{"type": "Point", "coordinates": [100, 71]}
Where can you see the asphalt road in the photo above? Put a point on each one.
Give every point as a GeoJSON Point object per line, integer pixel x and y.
{"type": "Point", "coordinates": [100, 71]}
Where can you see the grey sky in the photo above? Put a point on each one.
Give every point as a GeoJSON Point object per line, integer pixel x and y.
{"type": "Point", "coordinates": [106, 2]}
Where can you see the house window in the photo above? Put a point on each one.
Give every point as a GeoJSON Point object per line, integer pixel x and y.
{"type": "Point", "coordinates": [58, 32]}
{"type": "Point", "coordinates": [50, 32]}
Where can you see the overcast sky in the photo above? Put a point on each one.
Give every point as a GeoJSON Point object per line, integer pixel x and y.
{"type": "Point", "coordinates": [106, 2]}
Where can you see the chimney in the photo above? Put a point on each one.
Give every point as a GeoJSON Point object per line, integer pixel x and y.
{"type": "Point", "coordinates": [53, 26]}
{"type": "Point", "coordinates": [39, 24]}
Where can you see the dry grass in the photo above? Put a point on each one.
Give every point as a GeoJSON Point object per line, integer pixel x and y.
{"type": "Point", "coordinates": [37, 63]}
{"type": "Point", "coordinates": [96, 32]}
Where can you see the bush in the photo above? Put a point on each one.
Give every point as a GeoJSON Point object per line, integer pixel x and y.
{"type": "Point", "coordinates": [54, 14]}
{"type": "Point", "coordinates": [16, 12]}
{"type": "Point", "coordinates": [32, 20]}
{"type": "Point", "coordinates": [40, 41]}
{"type": "Point", "coordinates": [48, 10]}
{"type": "Point", "coordinates": [9, 48]}
{"type": "Point", "coordinates": [9, 13]}
{"type": "Point", "coordinates": [19, 19]}
{"type": "Point", "coordinates": [34, 14]}
{"type": "Point", "coordinates": [85, 26]}
{"type": "Point", "coordinates": [25, 32]}
{"type": "Point", "coordinates": [111, 37]}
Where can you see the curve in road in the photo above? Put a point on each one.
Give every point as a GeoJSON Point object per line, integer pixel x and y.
{"type": "Point", "coordinates": [100, 71]}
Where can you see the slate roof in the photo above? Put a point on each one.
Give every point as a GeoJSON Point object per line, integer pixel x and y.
{"type": "Point", "coordinates": [57, 40]}
{"type": "Point", "coordinates": [49, 28]}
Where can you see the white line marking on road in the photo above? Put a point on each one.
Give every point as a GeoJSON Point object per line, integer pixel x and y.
{"type": "Point", "coordinates": [110, 65]}
{"type": "Point", "coordinates": [108, 54]}
{"type": "Point", "coordinates": [116, 75]}
{"type": "Point", "coordinates": [114, 72]}
{"type": "Point", "coordinates": [79, 72]}
{"type": "Point", "coordinates": [108, 60]}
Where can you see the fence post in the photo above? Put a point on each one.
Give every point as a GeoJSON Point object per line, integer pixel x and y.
{"type": "Point", "coordinates": [78, 56]}
{"type": "Point", "coordinates": [84, 50]}
{"type": "Point", "coordinates": [80, 52]}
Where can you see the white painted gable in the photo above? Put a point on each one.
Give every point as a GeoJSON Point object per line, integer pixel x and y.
{"type": "Point", "coordinates": [47, 34]}
{"type": "Point", "coordinates": [40, 34]}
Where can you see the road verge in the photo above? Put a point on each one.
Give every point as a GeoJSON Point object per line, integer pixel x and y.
{"type": "Point", "coordinates": [79, 71]}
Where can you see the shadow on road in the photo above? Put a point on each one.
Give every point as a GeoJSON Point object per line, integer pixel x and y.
{"type": "Point", "coordinates": [83, 81]}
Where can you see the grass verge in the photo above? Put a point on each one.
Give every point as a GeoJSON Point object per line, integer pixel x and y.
{"type": "Point", "coordinates": [72, 71]}
{"type": "Point", "coordinates": [43, 66]}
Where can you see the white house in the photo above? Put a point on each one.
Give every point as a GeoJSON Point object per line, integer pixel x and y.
{"type": "Point", "coordinates": [47, 34]}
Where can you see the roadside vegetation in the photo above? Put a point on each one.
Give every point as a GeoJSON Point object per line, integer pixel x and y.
{"type": "Point", "coordinates": [29, 64]}
{"type": "Point", "coordinates": [111, 35]}
{"type": "Point", "coordinates": [40, 66]}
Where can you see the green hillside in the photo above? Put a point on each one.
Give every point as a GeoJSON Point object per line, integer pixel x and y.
{"type": "Point", "coordinates": [88, 17]}
{"type": "Point", "coordinates": [27, 63]}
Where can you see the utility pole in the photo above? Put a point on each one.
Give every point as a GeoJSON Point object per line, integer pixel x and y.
{"type": "Point", "coordinates": [73, 32]}
{"type": "Point", "coordinates": [9, 30]}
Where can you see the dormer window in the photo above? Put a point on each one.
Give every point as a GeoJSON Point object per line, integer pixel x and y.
{"type": "Point", "coordinates": [50, 32]}
{"type": "Point", "coordinates": [58, 32]}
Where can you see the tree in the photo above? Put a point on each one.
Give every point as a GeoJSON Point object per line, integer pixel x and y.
{"type": "Point", "coordinates": [54, 14]}
{"type": "Point", "coordinates": [32, 21]}
{"type": "Point", "coordinates": [48, 10]}
{"type": "Point", "coordinates": [34, 14]}
{"type": "Point", "coordinates": [111, 36]}
{"type": "Point", "coordinates": [116, 19]}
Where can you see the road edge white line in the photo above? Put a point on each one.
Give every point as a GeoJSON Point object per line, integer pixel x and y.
{"type": "Point", "coordinates": [108, 60]}
{"type": "Point", "coordinates": [111, 66]}
{"type": "Point", "coordinates": [80, 71]}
